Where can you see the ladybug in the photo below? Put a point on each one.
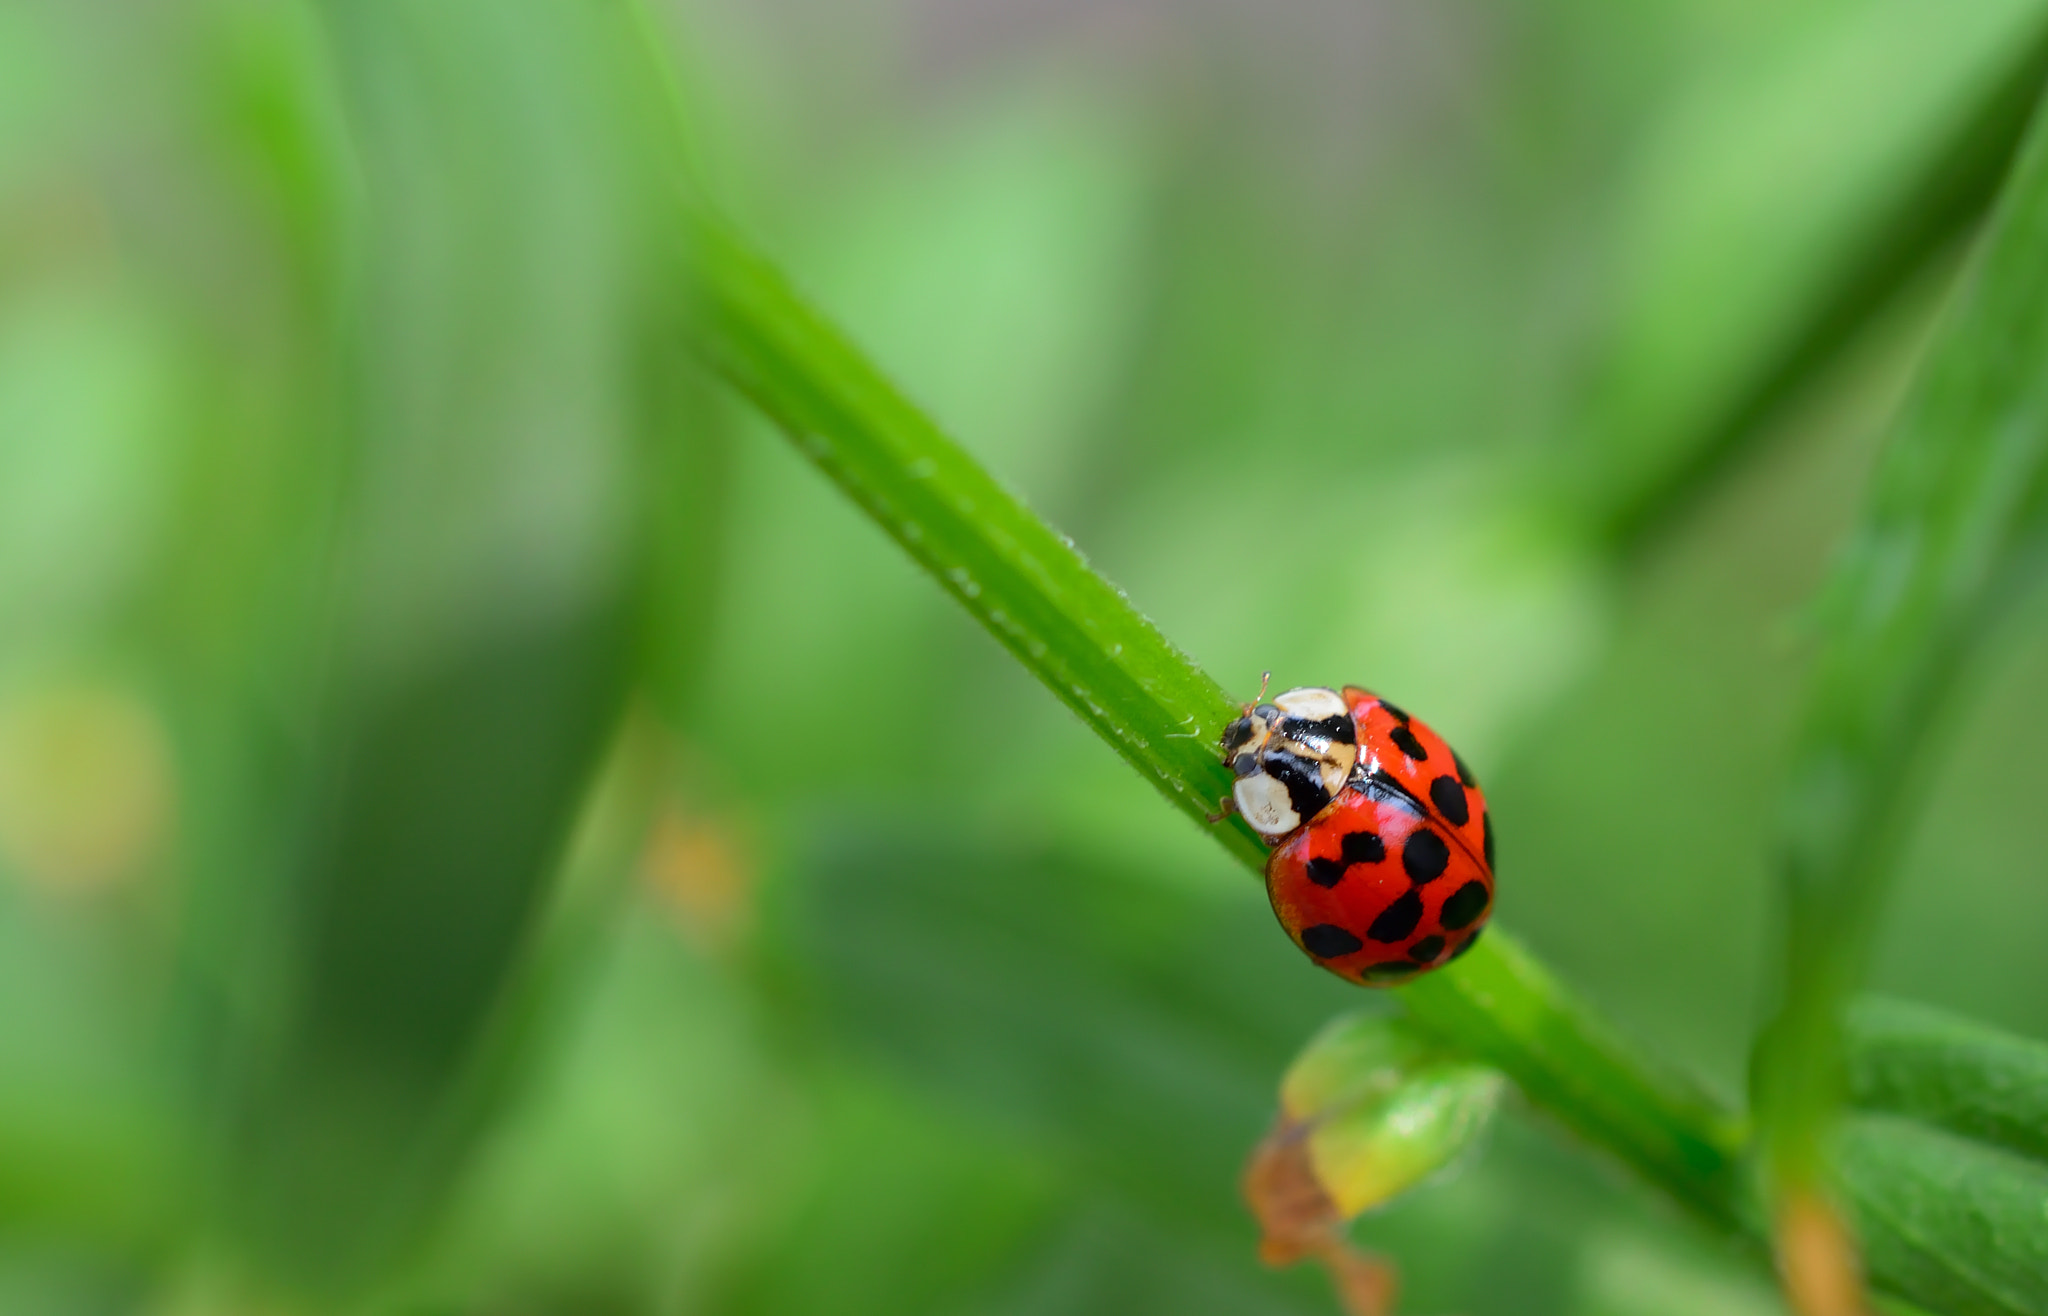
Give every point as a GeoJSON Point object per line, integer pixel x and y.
{"type": "Point", "coordinates": [1382, 862]}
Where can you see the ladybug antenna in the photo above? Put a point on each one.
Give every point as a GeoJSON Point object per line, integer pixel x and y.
{"type": "Point", "coordinates": [1265, 679]}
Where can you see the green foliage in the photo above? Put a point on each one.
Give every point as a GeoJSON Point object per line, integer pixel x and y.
{"type": "Point", "coordinates": [1894, 165]}
{"type": "Point", "coordinates": [1943, 1158]}
{"type": "Point", "coordinates": [358, 487]}
{"type": "Point", "coordinates": [1010, 994]}
{"type": "Point", "coordinates": [1951, 536]}
{"type": "Point", "coordinates": [1951, 1073]}
{"type": "Point", "coordinates": [1883, 674]}
{"type": "Point", "coordinates": [1953, 1223]}
{"type": "Point", "coordinates": [476, 646]}
{"type": "Point", "coordinates": [1087, 643]}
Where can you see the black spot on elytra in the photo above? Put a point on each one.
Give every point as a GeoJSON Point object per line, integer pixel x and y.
{"type": "Point", "coordinates": [1486, 838]}
{"type": "Point", "coordinates": [1326, 872]}
{"type": "Point", "coordinates": [1326, 941]}
{"type": "Point", "coordinates": [1304, 785]}
{"type": "Point", "coordinates": [1424, 855]}
{"type": "Point", "coordinates": [1425, 951]}
{"type": "Point", "coordinates": [1468, 902]}
{"type": "Point", "coordinates": [1337, 726]}
{"type": "Point", "coordinates": [1399, 716]}
{"type": "Point", "coordinates": [1464, 773]}
{"type": "Point", "coordinates": [1363, 848]}
{"type": "Point", "coordinates": [1407, 743]}
{"type": "Point", "coordinates": [1397, 920]}
{"type": "Point", "coordinates": [1449, 798]}
{"type": "Point", "coordinates": [1469, 943]}
{"type": "Point", "coordinates": [1390, 970]}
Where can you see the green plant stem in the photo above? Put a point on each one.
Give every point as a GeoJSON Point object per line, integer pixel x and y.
{"type": "Point", "coordinates": [1500, 1003]}
{"type": "Point", "coordinates": [1081, 636]}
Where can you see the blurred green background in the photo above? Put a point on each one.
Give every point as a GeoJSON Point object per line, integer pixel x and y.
{"type": "Point", "coordinates": [485, 829]}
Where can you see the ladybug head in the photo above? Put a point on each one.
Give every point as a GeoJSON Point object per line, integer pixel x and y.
{"type": "Point", "coordinates": [1290, 757]}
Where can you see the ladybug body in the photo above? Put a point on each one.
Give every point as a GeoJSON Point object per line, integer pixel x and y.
{"type": "Point", "coordinates": [1387, 875]}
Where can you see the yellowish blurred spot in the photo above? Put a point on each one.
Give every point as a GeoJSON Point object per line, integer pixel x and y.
{"type": "Point", "coordinates": [696, 865]}
{"type": "Point", "coordinates": [85, 786]}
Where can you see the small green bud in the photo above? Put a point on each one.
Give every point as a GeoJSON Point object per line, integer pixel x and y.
{"type": "Point", "coordinates": [1370, 1108]}
{"type": "Point", "coordinates": [1376, 1107]}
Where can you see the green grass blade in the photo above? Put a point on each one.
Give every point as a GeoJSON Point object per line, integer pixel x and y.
{"type": "Point", "coordinates": [1079, 635]}
{"type": "Point", "coordinates": [476, 654]}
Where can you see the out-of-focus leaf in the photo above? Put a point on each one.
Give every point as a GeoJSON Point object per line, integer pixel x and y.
{"type": "Point", "coordinates": [1133, 1028]}
{"type": "Point", "coordinates": [685, 501]}
{"type": "Point", "coordinates": [908, 1209]}
{"type": "Point", "coordinates": [1954, 518]}
{"type": "Point", "coordinates": [1953, 532]}
{"type": "Point", "coordinates": [478, 650]}
{"type": "Point", "coordinates": [1131, 1024]}
{"type": "Point", "coordinates": [1945, 1159]}
{"type": "Point", "coordinates": [1950, 1073]}
{"type": "Point", "coordinates": [1780, 205]}
{"type": "Point", "coordinates": [1959, 1226]}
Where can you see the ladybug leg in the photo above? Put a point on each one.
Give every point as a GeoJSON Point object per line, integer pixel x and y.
{"type": "Point", "coordinates": [1225, 807]}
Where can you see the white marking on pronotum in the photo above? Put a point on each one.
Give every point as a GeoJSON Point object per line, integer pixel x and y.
{"type": "Point", "coordinates": [1311, 702]}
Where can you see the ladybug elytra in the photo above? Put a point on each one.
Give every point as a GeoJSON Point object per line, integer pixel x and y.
{"type": "Point", "coordinates": [1382, 862]}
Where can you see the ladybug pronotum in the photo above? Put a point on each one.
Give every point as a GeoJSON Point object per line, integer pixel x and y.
{"type": "Point", "coordinates": [1382, 862]}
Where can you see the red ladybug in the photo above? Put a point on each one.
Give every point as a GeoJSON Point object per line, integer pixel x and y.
{"type": "Point", "coordinates": [1382, 863]}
